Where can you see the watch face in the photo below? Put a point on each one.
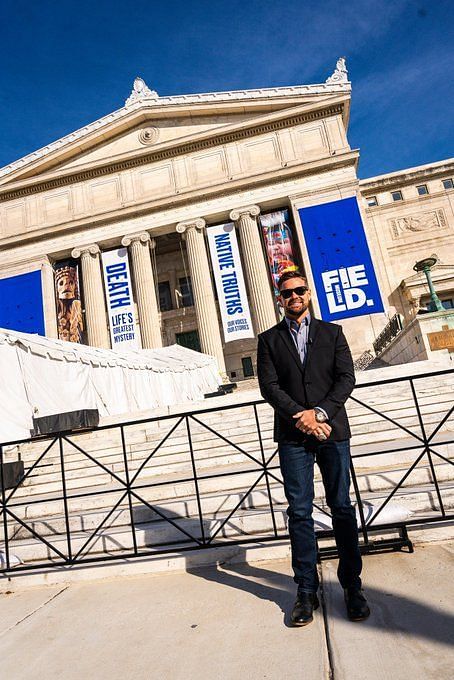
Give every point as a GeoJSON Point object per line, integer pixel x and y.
{"type": "Point", "coordinates": [319, 417]}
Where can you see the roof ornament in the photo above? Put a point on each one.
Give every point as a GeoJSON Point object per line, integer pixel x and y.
{"type": "Point", "coordinates": [340, 74]}
{"type": "Point", "coordinates": [140, 90]}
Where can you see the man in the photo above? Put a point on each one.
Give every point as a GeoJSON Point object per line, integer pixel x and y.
{"type": "Point", "coordinates": [305, 372]}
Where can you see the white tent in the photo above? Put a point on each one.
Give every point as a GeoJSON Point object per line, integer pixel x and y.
{"type": "Point", "coordinates": [42, 377]}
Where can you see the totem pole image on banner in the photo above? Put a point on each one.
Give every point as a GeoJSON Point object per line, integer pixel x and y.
{"type": "Point", "coordinates": [278, 238]}
{"type": "Point", "coordinates": [70, 322]}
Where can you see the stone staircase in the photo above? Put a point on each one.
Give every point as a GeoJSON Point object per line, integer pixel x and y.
{"type": "Point", "coordinates": [234, 492]}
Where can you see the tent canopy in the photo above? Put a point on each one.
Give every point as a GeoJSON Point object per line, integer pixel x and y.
{"type": "Point", "coordinates": [43, 377]}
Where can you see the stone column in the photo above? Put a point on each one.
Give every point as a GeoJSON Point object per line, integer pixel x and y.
{"type": "Point", "coordinates": [50, 312]}
{"type": "Point", "coordinates": [256, 267]}
{"type": "Point", "coordinates": [95, 309]}
{"type": "Point", "coordinates": [204, 301]}
{"type": "Point", "coordinates": [139, 247]}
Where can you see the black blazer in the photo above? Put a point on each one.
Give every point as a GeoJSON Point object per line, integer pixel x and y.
{"type": "Point", "coordinates": [326, 379]}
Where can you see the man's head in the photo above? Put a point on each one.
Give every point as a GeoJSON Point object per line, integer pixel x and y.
{"type": "Point", "coordinates": [294, 295]}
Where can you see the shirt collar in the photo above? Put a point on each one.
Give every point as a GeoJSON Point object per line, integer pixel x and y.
{"type": "Point", "coordinates": [291, 323]}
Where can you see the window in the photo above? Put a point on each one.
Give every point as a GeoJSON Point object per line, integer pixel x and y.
{"type": "Point", "coordinates": [165, 297]}
{"type": "Point", "coordinates": [448, 303]}
{"type": "Point", "coordinates": [396, 195]}
{"type": "Point", "coordinates": [248, 369]}
{"type": "Point", "coordinates": [187, 298]}
{"type": "Point", "coordinates": [448, 183]}
{"type": "Point", "coordinates": [371, 201]}
{"type": "Point", "coordinates": [422, 190]}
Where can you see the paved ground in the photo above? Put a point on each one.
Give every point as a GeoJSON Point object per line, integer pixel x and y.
{"type": "Point", "coordinates": [231, 623]}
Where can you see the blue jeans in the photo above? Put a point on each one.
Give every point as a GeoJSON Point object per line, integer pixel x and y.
{"type": "Point", "coordinates": [297, 466]}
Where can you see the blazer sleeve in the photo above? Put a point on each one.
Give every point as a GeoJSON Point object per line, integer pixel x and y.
{"type": "Point", "coordinates": [269, 383]}
{"type": "Point", "coordinates": [344, 377]}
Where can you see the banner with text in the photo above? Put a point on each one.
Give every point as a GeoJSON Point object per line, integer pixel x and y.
{"type": "Point", "coordinates": [340, 260]}
{"type": "Point", "coordinates": [120, 305]}
{"type": "Point", "coordinates": [228, 276]}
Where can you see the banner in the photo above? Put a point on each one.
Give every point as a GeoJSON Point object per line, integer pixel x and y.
{"type": "Point", "coordinates": [70, 322]}
{"type": "Point", "coordinates": [120, 305]}
{"type": "Point", "coordinates": [278, 243]}
{"type": "Point", "coordinates": [340, 260]}
{"type": "Point", "coordinates": [228, 277]}
{"type": "Point", "coordinates": [21, 303]}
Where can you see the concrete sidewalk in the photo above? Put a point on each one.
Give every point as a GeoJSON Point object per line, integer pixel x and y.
{"type": "Point", "coordinates": [231, 622]}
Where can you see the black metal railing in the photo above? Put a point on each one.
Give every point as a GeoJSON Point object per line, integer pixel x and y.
{"type": "Point", "coordinates": [211, 478]}
{"type": "Point", "coordinates": [390, 331]}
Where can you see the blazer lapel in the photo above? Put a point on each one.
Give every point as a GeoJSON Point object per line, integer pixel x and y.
{"type": "Point", "coordinates": [313, 331]}
{"type": "Point", "coordinates": [288, 341]}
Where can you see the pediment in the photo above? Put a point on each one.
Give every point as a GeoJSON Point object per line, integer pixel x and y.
{"type": "Point", "coordinates": [151, 133]}
{"type": "Point", "coordinates": [133, 133]}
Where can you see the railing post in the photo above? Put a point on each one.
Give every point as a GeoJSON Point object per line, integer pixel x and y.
{"type": "Point", "coordinates": [5, 518]}
{"type": "Point", "coordinates": [128, 487]}
{"type": "Point", "coordinates": [265, 468]}
{"type": "Point", "coordinates": [196, 482]}
{"type": "Point", "coordinates": [426, 448]}
{"type": "Point", "coordinates": [65, 499]}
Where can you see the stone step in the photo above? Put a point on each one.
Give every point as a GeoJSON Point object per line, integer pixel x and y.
{"type": "Point", "coordinates": [393, 405]}
{"type": "Point", "coordinates": [387, 454]}
{"type": "Point", "coordinates": [218, 495]}
{"type": "Point", "coordinates": [160, 533]}
{"type": "Point", "coordinates": [243, 437]}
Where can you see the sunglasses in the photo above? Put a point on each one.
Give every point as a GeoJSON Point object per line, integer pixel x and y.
{"type": "Point", "coordinates": [299, 290]}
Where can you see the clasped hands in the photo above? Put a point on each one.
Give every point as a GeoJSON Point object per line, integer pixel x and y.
{"type": "Point", "coordinates": [306, 422]}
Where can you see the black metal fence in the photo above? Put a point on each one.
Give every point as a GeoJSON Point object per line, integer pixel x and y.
{"type": "Point", "coordinates": [390, 331]}
{"type": "Point", "coordinates": [211, 478]}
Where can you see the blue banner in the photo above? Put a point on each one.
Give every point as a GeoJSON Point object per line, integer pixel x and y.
{"type": "Point", "coordinates": [340, 260]}
{"type": "Point", "coordinates": [21, 303]}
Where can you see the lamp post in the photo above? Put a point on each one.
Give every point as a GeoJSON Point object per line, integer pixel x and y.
{"type": "Point", "coordinates": [425, 266]}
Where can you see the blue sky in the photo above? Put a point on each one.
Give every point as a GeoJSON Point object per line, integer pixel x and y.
{"type": "Point", "coordinates": [66, 63]}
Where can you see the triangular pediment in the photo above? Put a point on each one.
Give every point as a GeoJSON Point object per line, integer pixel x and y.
{"type": "Point", "coordinates": [150, 134]}
{"type": "Point", "coordinates": [163, 124]}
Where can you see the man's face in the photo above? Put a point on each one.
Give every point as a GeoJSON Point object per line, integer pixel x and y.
{"type": "Point", "coordinates": [295, 305]}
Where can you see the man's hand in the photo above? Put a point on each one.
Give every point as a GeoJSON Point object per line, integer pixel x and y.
{"type": "Point", "coordinates": [306, 422]}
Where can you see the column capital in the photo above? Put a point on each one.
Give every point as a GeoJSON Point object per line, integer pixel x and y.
{"type": "Point", "coordinates": [90, 249]}
{"type": "Point", "coordinates": [198, 224]}
{"type": "Point", "coordinates": [142, 236]}
{"type": "Point", "coordinates": [250, 210]}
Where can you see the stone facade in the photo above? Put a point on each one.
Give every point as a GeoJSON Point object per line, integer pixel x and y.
{"type": "Point", "coordinates": [151, 176]}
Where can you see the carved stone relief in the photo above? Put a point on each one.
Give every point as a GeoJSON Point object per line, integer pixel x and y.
{"type": "Point", "coordinates": [432, 219]}
{"type": "Point", "coordinates": [148, 135]}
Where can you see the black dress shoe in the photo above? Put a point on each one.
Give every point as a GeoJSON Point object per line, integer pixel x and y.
{"type": "Point", "coordinates": [303, 608]}
{"type": "Point", "coordinates": [357, 607]}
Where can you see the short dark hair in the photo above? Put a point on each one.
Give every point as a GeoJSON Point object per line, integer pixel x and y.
{"type": "Point", "coordinates": [287, 276]}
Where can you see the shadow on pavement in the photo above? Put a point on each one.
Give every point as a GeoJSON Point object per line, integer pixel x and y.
{"type": "Point", "coordinates": [390, 611]}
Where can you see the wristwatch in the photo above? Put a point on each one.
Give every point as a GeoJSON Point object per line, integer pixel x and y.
{"type": "Point", "coordinates": [320, 416]}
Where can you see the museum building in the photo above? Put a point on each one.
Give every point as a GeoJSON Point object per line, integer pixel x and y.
{"type": "Point", "coordinates": [171, 219]}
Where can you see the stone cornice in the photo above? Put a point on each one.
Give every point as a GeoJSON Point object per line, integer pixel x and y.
{"type": "Point", "coordinates": [154, 101]}
{"type": "Point", "coordinates": [174, 148]}
{"type": "Point", "coordinates": [408, 176]}
{"type": "Point", "coordinates": [326, 164]}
